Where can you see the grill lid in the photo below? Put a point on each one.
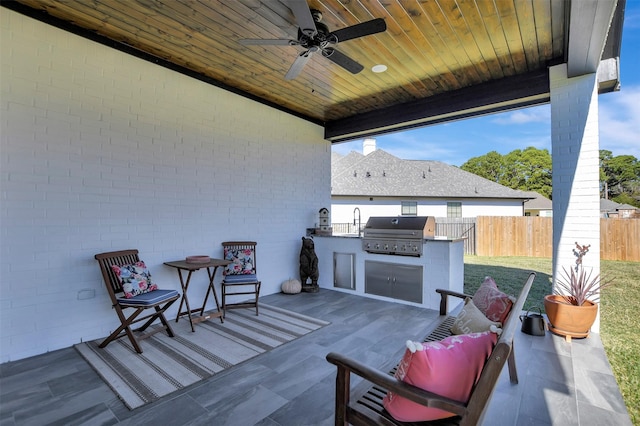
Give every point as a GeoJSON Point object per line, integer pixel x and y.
{"type": "Point", "coordinates": [399, 223]}
{"type": "Point", "coordinates": [416, 227]}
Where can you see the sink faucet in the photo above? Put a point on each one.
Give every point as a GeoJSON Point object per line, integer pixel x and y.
{"type": "Point", "coordinates": [354, 219]}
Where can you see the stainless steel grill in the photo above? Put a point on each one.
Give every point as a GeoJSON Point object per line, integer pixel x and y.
{"type": "Point", "coordinates": [397, 235]}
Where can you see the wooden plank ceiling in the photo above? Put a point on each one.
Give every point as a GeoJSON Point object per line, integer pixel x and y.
{"type": "Point", "coordinates": [431, 47]}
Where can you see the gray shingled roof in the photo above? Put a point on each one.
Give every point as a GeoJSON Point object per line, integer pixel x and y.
{"type": "Point", "coordinates": [537, 201]}
{"type": "Point", "coordinates": [611, 206]}
{"type": "Point", "coordinates": [382, 174]}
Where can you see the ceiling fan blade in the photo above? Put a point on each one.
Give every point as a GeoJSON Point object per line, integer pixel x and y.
{"type": "Point", "coordinates": [274, 42]}
{"type": "Point", "coordinates": [305, 21]}
{"type": "Point", "coordinates": [360, 30]}
{"type": "Point", "coordinates": [297, 65]}
{"type": "Point", "coordinates": [343, 60]}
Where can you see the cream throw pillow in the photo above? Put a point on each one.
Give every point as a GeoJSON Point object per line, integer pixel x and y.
{"type": "Point", "coordinates": [471, 320]}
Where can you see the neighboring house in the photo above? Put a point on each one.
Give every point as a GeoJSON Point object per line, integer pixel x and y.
{"type": "Point", "coordinates": [380, 184]}
{"type": "Point", "coordinates": [611, 209]}
{"type": "Point", "coordinates": [538, 205]}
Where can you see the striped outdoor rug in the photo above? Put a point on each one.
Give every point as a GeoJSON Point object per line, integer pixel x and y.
{"type": "Point", "coordinates": [169, 364]}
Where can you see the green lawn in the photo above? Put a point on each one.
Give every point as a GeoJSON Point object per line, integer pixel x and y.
{"type": "Point", "coordinates": [619, 307]}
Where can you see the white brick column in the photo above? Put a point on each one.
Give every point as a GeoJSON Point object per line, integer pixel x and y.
{"type": "Point", "coordinates": [575, 148]}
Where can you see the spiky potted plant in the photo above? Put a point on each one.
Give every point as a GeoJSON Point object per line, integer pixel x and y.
{"type": "Point", "coordinates": [573, 307]}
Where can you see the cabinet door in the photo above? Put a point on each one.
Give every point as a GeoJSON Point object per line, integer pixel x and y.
{"type": "Point", "coordinates": [377, 278]}
{"type": "Point", "coordinates": [344, 272]}
{"type": "Point", "coordinates": [407, 283]}
{"type": "Point", "coordinates": [393, 280]}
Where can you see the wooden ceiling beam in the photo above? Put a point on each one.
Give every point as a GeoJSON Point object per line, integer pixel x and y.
{"type": "Point", "coordinates": [498, 95]}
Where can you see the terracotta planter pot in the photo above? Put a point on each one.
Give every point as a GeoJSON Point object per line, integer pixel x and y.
{"type": "Point", "coordinates": [569, 320]}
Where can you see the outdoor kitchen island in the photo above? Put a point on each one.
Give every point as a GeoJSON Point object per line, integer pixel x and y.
{"type": "Point", "coordinates": [402, 278]}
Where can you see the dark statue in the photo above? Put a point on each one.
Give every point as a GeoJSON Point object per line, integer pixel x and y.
{"type": "Point", "coordinates": [309, 266]}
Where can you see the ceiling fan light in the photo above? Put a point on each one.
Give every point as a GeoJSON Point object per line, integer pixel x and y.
{"type": "Point", "coordinates": [379, 68]}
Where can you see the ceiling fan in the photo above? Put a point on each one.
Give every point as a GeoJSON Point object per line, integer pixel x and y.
{"type": "Point", "coordinates": [314, 36]}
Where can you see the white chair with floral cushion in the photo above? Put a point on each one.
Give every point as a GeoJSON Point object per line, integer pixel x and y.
{"type": "Point", "coordinates": [130, 288]}
{"type": "Point", "coordinates": [240, 276]}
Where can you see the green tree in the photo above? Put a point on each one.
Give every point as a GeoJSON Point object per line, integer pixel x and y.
{"type": "Point", "coordinates": [530, 170]}
{"type": "Point", "coordinates": [527, 170]}
{"type": "Point", "coordinates": [489, 166]}
{"type": "Point", "coordinates": [620, 177]}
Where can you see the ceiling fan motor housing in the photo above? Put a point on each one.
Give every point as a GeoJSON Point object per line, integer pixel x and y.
{"type": "Point", "coordinates": [321, 39]}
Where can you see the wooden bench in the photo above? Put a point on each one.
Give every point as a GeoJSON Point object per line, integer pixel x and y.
{"type": "Point", "coordinates": [367, 408]}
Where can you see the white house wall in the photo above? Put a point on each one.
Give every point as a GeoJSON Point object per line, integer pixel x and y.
{"type": "Point", "coordinates": [102, 151]}
{"type": "Point", "coordinates": [342, 209]}
{"type": "Point", "coordinates": [474, 208]}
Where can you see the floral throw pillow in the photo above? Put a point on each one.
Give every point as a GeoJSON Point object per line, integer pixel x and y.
{"type": "Point", "coordinates": [135, 279]}
{"type": "Point", "coordinates": [471, 320]}
{"type": "Point", "coordinates": [242, 261]}
{"type": "Point", "coordinates": [493, 303]}
{"type": "Point", "coordinates": [450, 367]}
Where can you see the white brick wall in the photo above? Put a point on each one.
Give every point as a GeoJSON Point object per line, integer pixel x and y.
{"type": "Point", "coordinates": [102, 151]}
{"type": "Point", "coordinates": [575, 157]}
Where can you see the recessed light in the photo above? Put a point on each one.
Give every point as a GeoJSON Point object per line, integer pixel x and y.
{"type": "Point", "coordinates": [379, 68]}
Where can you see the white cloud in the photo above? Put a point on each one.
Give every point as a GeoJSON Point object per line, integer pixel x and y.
{"type": "Point", "coordinates": [425, 144]}
{"type": "Point", "coordinates": [631, 18]}
{"type": "Point", "coordinates": [619, 120]}
{"type": "Point", "coordinates": [346, 147]}
{"type": "Point", "coordinates": [538, 114]}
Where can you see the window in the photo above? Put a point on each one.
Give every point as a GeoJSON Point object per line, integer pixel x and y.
{"type": "Point", "coordinates": [454, 209]}
{"type": "Point", "coordinates": [409, 208]}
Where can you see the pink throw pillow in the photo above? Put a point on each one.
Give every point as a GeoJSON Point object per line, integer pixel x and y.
{"type": "Point", "coordinates": [493, 303]}
{"type": "Point", "coordinates": [450, 367]}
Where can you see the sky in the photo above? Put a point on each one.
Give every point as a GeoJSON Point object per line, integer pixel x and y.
{"type": "Point", "coordinates": [455, 143]}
